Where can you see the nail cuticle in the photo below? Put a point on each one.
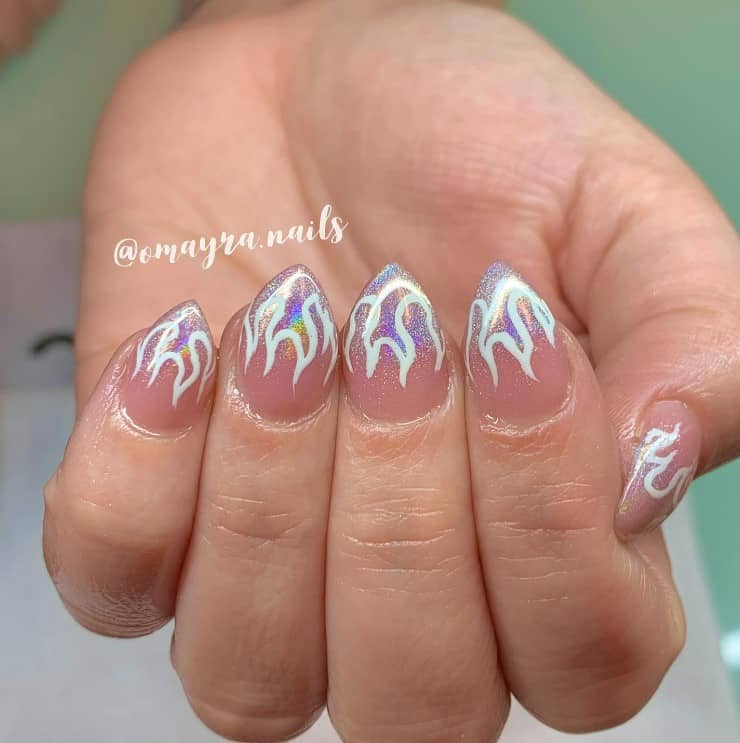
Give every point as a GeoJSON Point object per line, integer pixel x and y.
{"type": "Point", "coordinates": [491, 425]}
{"type": "Point", "coordinates": [169, 434]}
{"type": "Point", "coordinates": [240, 404]}
{"type": "Point", "coordinates": [437, 411]}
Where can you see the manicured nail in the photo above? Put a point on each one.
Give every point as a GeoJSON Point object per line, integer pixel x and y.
{"type": "Point", "coordinates": [664, 465]}
{"type": "Point", "coordinates": [395, 363]}
{"type": "Point", "coordinates": [288, 348]}
{"type": "Point", "coordinates": [517, 369]}
{"type": "Point", "coordinates": [170, 375]}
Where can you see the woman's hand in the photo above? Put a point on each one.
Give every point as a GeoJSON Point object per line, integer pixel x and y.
{"type": "Point", "coordinates": [18, 22]}
{"type": "Point", "coordinates": [411, 539]}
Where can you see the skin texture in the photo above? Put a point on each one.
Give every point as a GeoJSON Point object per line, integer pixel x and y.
{"type": "Point", "coordinates": [448, 136]}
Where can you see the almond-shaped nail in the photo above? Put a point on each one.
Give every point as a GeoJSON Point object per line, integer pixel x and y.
{"type": "Point", "coordinates": [517, 368]}
{"type": "Point", "coordinates": [665, 459]}
{"type": "Point", "coordinates": [169, 376]}
{"type": "Point", "coordinates": [288, 348]}
{"type": "Point", "coordinates": [396, 367]}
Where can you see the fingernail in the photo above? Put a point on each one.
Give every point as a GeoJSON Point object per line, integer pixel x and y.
{"type": "Point", "coordinates": [288, 348]}
{"type": "Point", "coordinates": [664, 465]}
{"type": "Point", "coordinates": [517, 368]}
{"type": "Point", "coordinates": [170, 375]}
{"type": "Point", "coordinates": [396, 369]}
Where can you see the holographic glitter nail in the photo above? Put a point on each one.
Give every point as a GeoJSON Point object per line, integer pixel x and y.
{"type": "Point", "coordinates": [516, 367]}
{"type": "Point", "coordinates": [664, 464]}
{"type": "Point", "coordinates": [171, 370]}
{"type": "Point", "coordinates": [396, 367]}
{"type": "Point", "coordinates": [288, 347]}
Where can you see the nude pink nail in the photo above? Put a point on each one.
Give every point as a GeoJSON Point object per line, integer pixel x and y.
{"type": "Point", "coordinates": [288, 348]}
{"type": "Point", "coordinates": [664, 464]}
{"type": "Point", "coordinates": [517, 368]}
{"type": "Point", "coordinates": [169, 377]}
{"type": "Point", "coordinates": [395, 366]}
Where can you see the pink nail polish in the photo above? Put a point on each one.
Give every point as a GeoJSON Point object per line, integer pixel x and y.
{"type": "Point", "coordinates": [287, 348]}
{"type": "Point", "coordinates": [664, 465]}
{"type": "Point", "coordinates": [517, 369]}
{"type": "Point", "coordinates": [170, 375]}
{"type": "Point", "coordinates": [396, 367]}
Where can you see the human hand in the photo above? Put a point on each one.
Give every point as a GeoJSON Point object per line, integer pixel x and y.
{"type": "Point", "coordinates": [18, 21]}
{"type": "Point", "coordinates": [464, 558]}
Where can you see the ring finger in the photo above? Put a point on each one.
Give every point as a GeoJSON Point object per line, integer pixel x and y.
{"type": "Point", "coordinates": [587, 627]}
{"type": "Point", "coordinates": [412, 653]}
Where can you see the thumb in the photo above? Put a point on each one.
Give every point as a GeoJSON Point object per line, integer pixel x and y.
{"type": "Point", "coordinates": [662, 304]}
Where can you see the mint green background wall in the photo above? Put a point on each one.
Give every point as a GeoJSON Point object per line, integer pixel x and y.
{"type": "Point", "coordinates": [674, 63]}
{"type": "Point", "coordinates": [51, 97]}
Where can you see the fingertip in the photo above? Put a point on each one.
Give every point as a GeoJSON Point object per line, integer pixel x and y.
{"type": "Point", "coordinates": [518, 371]}
{"type": "Point", "coordinates": [169, 376]}
{"type": "Point", "coordinates": [666, 448]}
{"type": "Point", "coordinates": [245, 723]}
{"type": "Point", "coordinates": [395, 363]}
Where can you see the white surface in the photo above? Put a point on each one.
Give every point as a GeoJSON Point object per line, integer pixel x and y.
{"type": "Point", "coordinates": [61, 684]}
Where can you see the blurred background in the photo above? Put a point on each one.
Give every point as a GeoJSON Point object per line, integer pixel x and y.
{"type": "Point", "coordinates": [674, 63]}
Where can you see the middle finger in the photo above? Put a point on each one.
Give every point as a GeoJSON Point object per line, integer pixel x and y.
{"type": "Point", "coordinates": [411, 648]}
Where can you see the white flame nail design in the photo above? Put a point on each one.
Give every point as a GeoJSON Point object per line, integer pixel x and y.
{"type": "Point", "coordinates": [504, 304]}
{"type": "Point", "coordinates": [406, 350]}
{"type": "Point", "coordinates": [274, 307]}
{"type": "Point", "coordinates": [657, 441]}
{"type": "Point", "coordinates": [161, 345]}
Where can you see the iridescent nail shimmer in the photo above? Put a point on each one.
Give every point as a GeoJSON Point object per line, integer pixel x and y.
{"type": "Point", "coordinates": [395, 363]}
{"type": "Point", "coordinates": [664, 465]}
{"type": "Point", "coordinates": [516, 366]}
{"type": "Point", "coordinates": [172, 369]}
{"type": "Point", "coordinates": [288, 347]}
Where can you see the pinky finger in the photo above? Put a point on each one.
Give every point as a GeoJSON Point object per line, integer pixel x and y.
{"type": "Point", "coordinates": [16, 26]}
